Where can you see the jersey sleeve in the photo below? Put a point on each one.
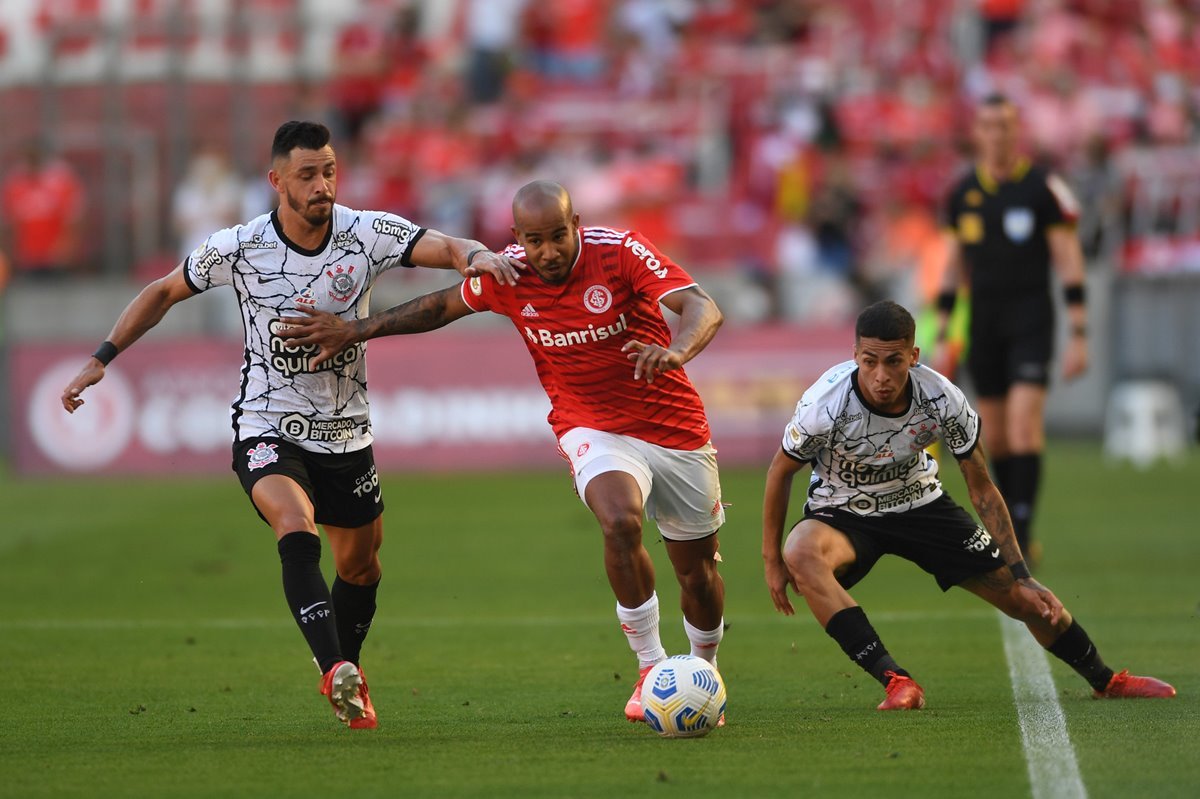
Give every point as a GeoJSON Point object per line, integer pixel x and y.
{"type": "Point", "coordinates": [478, 292]}
{"type": "Point", "coordinates": [652, 274]}
{"type": "Point", "coordinates": [211, 264]}
{"type": "Point", "coordinates": [960, 422]}
{"type": "Point", "coordinates": [807, 431]}
{"type": "Point", "coordinates": [1059, 206]}
{"type": "Point", "coordinates": [482, 293]}
{"type": "Point", "coordinates": [393, 242]}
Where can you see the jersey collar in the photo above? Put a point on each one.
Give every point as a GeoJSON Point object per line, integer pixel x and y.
{"type": "Point", "coordinates": [1016, 173]}
{"type": "Point", "coordinates": [291, 245]}
{"type": "Point", "coordinates": [908, 392]}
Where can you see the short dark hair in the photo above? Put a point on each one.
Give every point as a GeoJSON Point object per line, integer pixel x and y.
{"type": "Point", "coordinates": [995, 99]}
{"type": "Point", "coordinates": [293, 134]}
{"type": "Point", "coordinates": [886, 321]}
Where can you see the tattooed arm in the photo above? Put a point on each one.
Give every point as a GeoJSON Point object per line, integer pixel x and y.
{"type": "Point", "coordinates": [333, 334]}
{"type": "Point", "coordinates": [994, 515]}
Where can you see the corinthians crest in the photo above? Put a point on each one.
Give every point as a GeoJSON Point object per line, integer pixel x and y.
{"type": "Point", "coordinates": [341, 283]}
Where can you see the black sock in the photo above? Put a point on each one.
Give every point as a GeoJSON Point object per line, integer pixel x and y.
{"type": "Point", "coordinates": [1021, 484]}
{"type": "Point", "coordinates": [1000, 475]}
{"type": "Point", "coordinates": [355, 606]}
{"type": "Point", "coordinates": [861, 643]}
{"type": "Point", "coordinates": [1075, 648]}
{"type": "Point", "coordinates": [308, 596]}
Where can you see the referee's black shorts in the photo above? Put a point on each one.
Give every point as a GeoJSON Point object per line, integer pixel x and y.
{"type": "Point", "coordinates": [1012, 341]}
{"type": "Point", "coordinates": [343, 487]}
{"type": "Point", "coordinates": [940, 537]}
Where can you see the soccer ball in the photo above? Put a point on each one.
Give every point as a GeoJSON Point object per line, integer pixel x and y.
{"type": "Point", "coordinates": [683, 697]}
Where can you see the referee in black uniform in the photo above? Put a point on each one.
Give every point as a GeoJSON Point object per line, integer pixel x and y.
{"type": "Point", "coordinates": [1009, 221]}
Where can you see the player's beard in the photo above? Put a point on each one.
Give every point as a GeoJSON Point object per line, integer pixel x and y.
{"type": "Point", "coordinates": [315, 215]}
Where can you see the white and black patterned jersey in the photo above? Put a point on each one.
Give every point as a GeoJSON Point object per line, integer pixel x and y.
{"type": "Point", "coordinates": [321, 410]}
{"type": "Point", "coordinates": [867, 462]}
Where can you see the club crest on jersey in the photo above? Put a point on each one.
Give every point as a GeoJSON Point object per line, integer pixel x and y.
{"type": "Point", "coordinates": [341, 283]}
{"type": "Point", "coordinates": [597, 299]}
{"type": "Point", "coordinates": [306, 299]}
{"type": "Point", "coordinates": [1018, 224]}
{"type": "Point", "coordinates": [476, 285]}
{"type": "Point", "coordinates": [262, 455]}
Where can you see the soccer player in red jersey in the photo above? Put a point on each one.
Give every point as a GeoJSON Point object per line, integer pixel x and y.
{"type": "Point", "coordinates": [626, 416]}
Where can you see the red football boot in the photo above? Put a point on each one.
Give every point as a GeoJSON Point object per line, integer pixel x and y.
{"type": "Point", "coordinates": [1129, 686]}
{"type": "Point", "coordinates": [633, 708]}
{"type": "Point", "coordinates": [902, 693]}
{"type": "Point", "coordinates": [341, 685]}
{"type": "Point", "coordinates": [367, 720]}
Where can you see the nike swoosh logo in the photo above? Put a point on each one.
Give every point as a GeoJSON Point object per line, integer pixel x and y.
{"type": "Point", "coordinates": [310, 607]}
{"type": "Point", "coordinates": [377, 498]}
{"type": "Point", "coordinates": [995, 553]}
{"type": "Point", "coordinates": [267, 279]}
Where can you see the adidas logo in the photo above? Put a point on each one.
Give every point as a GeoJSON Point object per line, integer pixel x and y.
{"type": "Point", "coordinates": [528, 311]}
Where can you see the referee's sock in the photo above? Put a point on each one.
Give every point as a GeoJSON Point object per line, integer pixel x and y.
{"type": "Point", "coordinates": [861, 643]}
{"type": "Point", "coordinates": [1000, 472]}
{"type": "Point", "coordinates": [308, 596]}
{"type": "Point", "coordinates": [355, 606]}
{"type": "Point", "coordinates": [1021, 484]}
{"type": "Point", "coordinates": [1075, 648]}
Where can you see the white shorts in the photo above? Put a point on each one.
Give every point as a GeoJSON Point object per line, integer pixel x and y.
{"type": "Point", "coordinates": [681, 489]}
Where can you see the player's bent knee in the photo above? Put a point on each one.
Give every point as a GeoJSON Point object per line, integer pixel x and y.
{"type": "Point", "coordinates": [805, 560]}
{"type": "Point", "coordinates": [622, 530]}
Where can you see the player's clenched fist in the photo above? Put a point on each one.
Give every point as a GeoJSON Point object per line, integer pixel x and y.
{"type": "Point", "coordinates": [651, 360]}
{"type": "Point", "coordinates": [89, 375]}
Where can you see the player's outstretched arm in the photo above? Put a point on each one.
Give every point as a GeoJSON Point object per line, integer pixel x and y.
{"type": "Point", "coordinates": [145, 311]}
{"type": "Point", "coordinates": [1067, 254]}
{"type": "Point", "coordinates": [994, 514]}
{"type": "Point", "coordinates": [775, 505]}
{"type": "Point", "coordinates": [699, 319]}
{"type": "Point", "coordinates": [333, 334]}
{"type": "Point", "coordinates": [466, 256]}
{"type": "Point", "coordinates": [952, 275]}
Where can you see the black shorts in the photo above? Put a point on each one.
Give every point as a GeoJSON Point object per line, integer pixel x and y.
{"type": "Point", "coordinates": [1012, 341]}
{"type": "Point", "coordinates": [343, 487]}
{"type": "Point", "coordinates": [940, 537]}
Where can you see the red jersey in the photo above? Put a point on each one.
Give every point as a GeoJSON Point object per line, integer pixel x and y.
{"type": "Point", "coordinates": [575, 332]}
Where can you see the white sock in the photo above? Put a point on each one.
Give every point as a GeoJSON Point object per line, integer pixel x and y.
{"type": "Point", "coordinates": [705, 642]}
{"type": "Point", "coordinates": [640, 626]}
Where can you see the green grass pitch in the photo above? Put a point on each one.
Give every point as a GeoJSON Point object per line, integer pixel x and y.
{"type": "Point", "coordinates": [145, 651]}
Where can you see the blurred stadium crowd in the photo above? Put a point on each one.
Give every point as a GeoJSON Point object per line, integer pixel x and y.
{"type": "Point", "coordinates": [797, 150]}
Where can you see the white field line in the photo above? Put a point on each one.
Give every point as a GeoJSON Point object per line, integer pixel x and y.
{"type": "Point", "coordinates": [282, 621]}
{"type": "Point", "coordinates": [1053, 771]}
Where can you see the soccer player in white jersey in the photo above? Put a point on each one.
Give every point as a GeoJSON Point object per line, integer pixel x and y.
{"type": "Point", "coordinates": [302, 433]}
{"type": "Point", "coordinates": [864, 427]}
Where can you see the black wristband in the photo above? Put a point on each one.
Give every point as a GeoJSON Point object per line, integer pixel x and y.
{"type": "Point", "coordinates": [471, 255]}
{"type": "Point", "coordinates": [946, 301]}
{"type": "Point", "coordinates": [1019, 570]}
{"type": "Point", "coordinates": [105, 352]}
{"type": "Point", "coordinates": [1074, 294]}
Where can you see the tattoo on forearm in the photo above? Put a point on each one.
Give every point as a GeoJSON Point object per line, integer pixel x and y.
{"type": "Point", "coordinates": [415, 316]}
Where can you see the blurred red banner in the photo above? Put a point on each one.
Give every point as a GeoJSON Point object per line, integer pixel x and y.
{"type": "Point", "coordinates": [448, 400]}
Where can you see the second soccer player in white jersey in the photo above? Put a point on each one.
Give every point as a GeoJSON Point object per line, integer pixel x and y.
{"type": "Point", "coordinates": [864, 427]}
{"type": "Point", "coordinates": [302, 434]}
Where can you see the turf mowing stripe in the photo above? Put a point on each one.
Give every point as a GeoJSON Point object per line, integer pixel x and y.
{"type": "Point", "coordinates": [895, 617]}
{"type": "Point", "coordinates": [1053, 771]}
